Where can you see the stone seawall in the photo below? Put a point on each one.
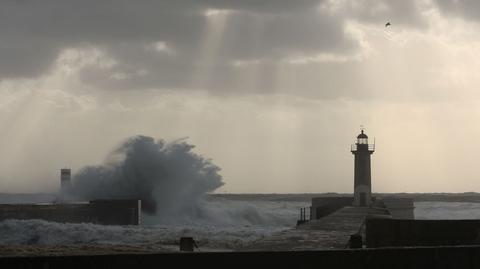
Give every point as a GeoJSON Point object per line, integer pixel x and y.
{"type": "Point", "coordinates": [324, 206]}
{"type": "Point", "coordinates": [107, 212]}
{"type": "Point", "coordinates": [406, 232]}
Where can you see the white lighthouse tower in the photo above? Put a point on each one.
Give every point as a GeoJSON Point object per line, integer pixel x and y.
{"type": "Point", "coordinates": [362, 171]}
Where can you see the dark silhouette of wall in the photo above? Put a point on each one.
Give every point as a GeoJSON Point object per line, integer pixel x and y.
{"type": "Point", "coordinates": [399, 208]}
{"type": "Point", "coordinates": [107, 212]}
{"type": "Point", "coordinates": [324, 206]}
{"type": "Point", "coordinates": [391, 258]}
{"type": "Point", "coordinates": [407, 232]}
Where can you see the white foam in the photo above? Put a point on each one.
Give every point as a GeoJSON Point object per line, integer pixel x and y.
{"type": "Point", "coordinates": [225, 224]}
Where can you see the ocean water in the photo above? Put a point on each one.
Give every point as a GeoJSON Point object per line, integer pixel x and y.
{"type": "Point", "coordinates": [447, 210]}
{"type": "Point", "coordinates": [228, 224]}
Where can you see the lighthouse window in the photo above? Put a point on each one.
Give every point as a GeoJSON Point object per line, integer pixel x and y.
{"type": "Point", "coordinates": [362, 141]}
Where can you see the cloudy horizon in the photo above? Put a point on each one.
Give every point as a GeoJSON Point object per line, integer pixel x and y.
{"type": "Point", "coordinates": [273, 91]}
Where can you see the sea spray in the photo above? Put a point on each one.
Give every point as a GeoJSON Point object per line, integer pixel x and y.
{"type": "Point", "coordinates": [172, 181]}
{"type": "Point", "coordinates": [169, 178]}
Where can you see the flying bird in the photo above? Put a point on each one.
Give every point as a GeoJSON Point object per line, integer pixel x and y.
{"type": "Point", "coordinates": [387, 24]}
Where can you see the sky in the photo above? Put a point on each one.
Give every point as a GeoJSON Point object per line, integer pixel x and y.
{"type": "Point", "coordinates": [272, 91]}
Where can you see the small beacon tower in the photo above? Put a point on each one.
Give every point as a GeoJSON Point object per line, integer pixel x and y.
{"type": "Point", "coordinates": [65, 179]}
{"type": "Point", "coordinates": [362, 195]}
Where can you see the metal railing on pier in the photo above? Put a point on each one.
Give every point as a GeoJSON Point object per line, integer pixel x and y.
{"type": "Point", "coordinates": [304, 216]}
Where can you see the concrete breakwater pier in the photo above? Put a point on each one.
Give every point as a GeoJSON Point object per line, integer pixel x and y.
{"type": "Point", "coordinates": [59, 209]}
{"type": "Point", "coordinates": [106, 212]}
{"type": "Point", "coordinates": [330, 232]}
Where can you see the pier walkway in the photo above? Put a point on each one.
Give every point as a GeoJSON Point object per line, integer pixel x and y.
{"type": "Point", "coordinates": [330, 232]}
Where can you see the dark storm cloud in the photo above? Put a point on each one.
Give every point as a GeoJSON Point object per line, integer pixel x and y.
{"type": "Point", "coordinates": [400, 13]}
{"type": "Point", "coordinates": [34, 32]}
{"type": "Point", "coordinates": [259, 31]}
{"type": "Point", "coordinates": [48, 26]}
{"type": "Point", "coordinates": [461, 8]}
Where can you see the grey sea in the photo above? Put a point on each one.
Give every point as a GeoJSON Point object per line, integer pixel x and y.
{"type": "Point", "coordinates": [228, 222]}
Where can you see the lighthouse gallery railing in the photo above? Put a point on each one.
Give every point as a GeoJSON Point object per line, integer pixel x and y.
{"type": "Point", "coordinates": [354, 147]}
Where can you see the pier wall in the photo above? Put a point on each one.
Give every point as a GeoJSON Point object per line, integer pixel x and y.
{"type": "Point", "coordinates": [467, 257]}
{"type": "Point", "coordinates": [324, 206]}
{"type": "Point", "coordinates": [107, 212]}
{"type": "Point", "coordinates": [399, 208]}
{"type": "Point", "coordinates": [407, 232]}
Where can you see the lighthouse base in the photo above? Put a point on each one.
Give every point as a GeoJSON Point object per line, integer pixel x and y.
{"type": "Point", "coordinates": [362, 196]}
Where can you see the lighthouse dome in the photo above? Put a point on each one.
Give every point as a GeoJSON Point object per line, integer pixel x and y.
{"type": "Point", "coordinates": [362, 135]}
